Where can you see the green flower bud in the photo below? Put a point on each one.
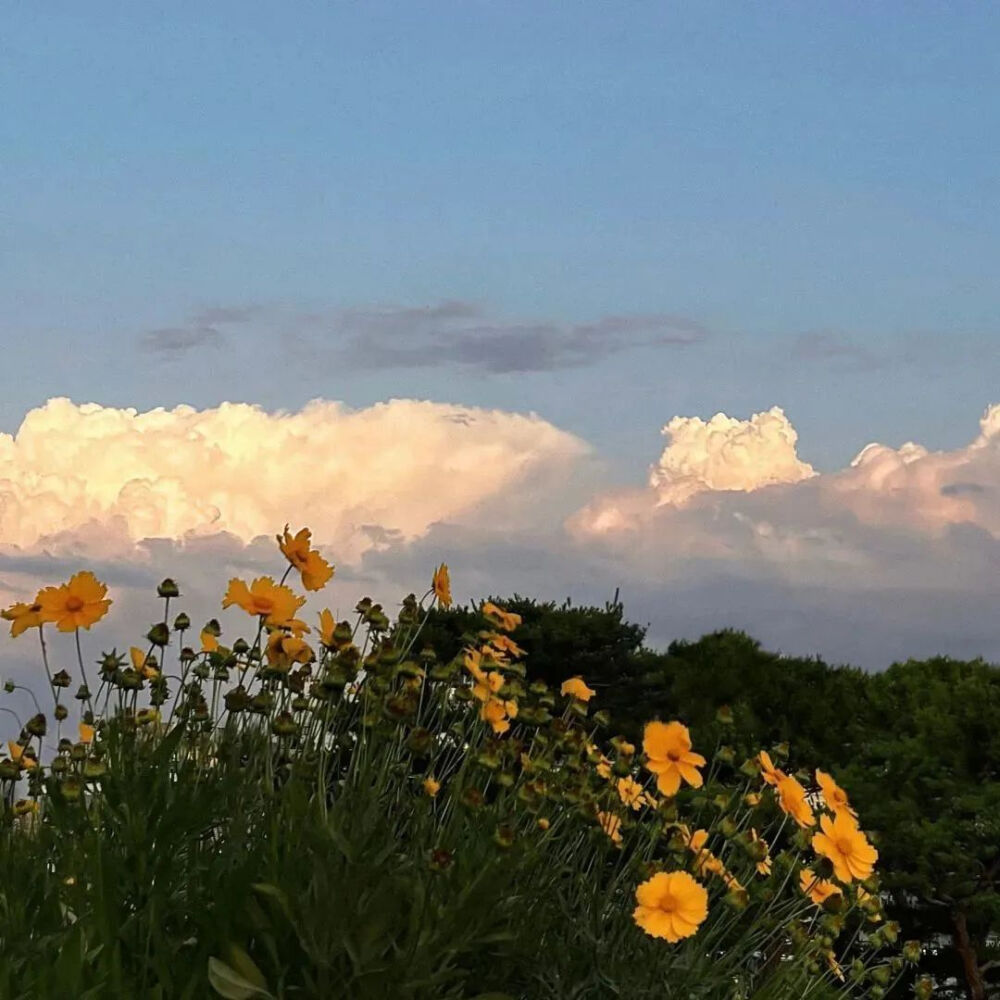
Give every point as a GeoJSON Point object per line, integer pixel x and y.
{"type": "Point", "coordinates": [71, 787]}
{"type": "Point", "coordinates": [284, 725]}
{"type": "Point", "coordinates": [61, 712]}
{"type": "Point", "coordinates": [61, 679]}
{"type": "Point", "coordinates": [182, 622]}
{"type": "Point", "coordinates": [168, 588]}
{"type": "Point", "coordinates": [159, 634]}
{"type": "Point", "coordinates": [37, 725]}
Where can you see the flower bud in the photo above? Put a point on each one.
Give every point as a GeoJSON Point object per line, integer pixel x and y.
{"type": "Point", "coordinates": [61, 679]}
{"type": "Point", "coordinates": [284, 725]}
{"type": "Point", "coordinates": [61, 712]}
{"type": "Point", "coordinates": [9, 687]}
{"type": "Point", "coordinates": [240, 647]}
{"type": "Point", "coordinates": [168, 588]}
{"type": "Point", "coordinates": [159, 634]}
{"type": "Point", "coordinates": [37, 725]}
{"type": "Point", "coordinates": [71, 788]}
{"type": "Point", "coordinates": [923, 988]}
{"type": "Point", "coordinates": [182, 622]}
{"type": "Point", "coordinates": [911, 951]}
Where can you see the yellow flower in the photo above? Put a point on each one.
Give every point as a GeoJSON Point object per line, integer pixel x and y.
{"type": "Point", "coordinates": [326, 627]}
{"type": "Point", "coordinates": [503, 644]}
{"type": "Point", "coordinates": [817, 889]}
{"type": "Point", "coordinates": [764, 865]}
{"type": "Point", "coordinates": [441, 584]}
{"type": "Point", "coordinates": [631, 793]}
{"type": "Point", "coordinates": [495, 711]}
{"type": "Point", "coordinates": [752, 799]}
{"type": "Point", "coordinates": [140, 665]}
{"type": "Point", "coordinates": [77, 604]}
{"type": "Point", "coordinates": [86, 733]}
{"type": "Point", "coordinates": [283, 650]}
{"type": "Point", "coordinates": [704, 859]}
{"type": "Point", "coordinates": [792, 799]}
{"type": "Point", "coordinates": [846, 846]}
{"type": "Point", "coordinates": [209, 643]}
{"type": "Point", "coordinates": [18, 756]}
{"type": "Point", "coordinates": [315, 570]}
{"type": "Point", "coordinates": [672, 905]}
{"type": "Point", "coordinates": [576, 688]}
{"type": "Point", "coordinates": [626, 749]}
{"type": "Point", "coordinates": [834, 965]}
{"type": "Point", "coordinates": [506, 620]}
{"type": "Point", "coordinates": [611, 825]}
{"type": "Point", "coordinates": [668, 748]}
{"type": "Point", "coordinates": [833, 795]}
{"type": "Point", "coordinates": [264, 597]}
{"type": "Point", "coordinates": [543, 823]}
{"type": "Point", "coordinates": [768, 771]}
{"type": "Point", "coordinates": [22, 617]}
{"type": "Point", "coordinates": [431, 787]}
{"type": "Point", "coordinates": [604, 768]}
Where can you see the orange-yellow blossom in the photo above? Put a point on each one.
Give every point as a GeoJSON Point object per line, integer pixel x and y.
{"type": "Point", "coordinates": [667, 746]}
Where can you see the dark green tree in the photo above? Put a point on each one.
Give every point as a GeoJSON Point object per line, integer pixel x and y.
{"type": "Point", "coordinates": [928, 781]}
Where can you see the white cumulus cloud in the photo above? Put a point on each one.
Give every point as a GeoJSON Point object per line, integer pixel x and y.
{"type": "Point", "coordinates": [357, 477]}
{"type": "Point", "coordinates": [727, 454]}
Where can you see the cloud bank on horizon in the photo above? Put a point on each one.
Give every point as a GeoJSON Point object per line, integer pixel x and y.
{"type": "Point", "coordinates": [866, 563]}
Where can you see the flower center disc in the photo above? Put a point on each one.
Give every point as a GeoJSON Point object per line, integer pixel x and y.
{"type": "Point", "coordinates": [73, 603]}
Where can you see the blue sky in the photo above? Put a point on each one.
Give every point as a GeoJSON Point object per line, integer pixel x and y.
{"type": "Point", "coordinates": [608, 214]}
{"type": "Point", "coordinates": [771, 172]}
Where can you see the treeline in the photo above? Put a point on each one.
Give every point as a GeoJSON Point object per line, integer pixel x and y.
{"type": "Point", "coordinates": [917, 746]}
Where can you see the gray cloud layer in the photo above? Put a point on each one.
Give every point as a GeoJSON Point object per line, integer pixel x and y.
{"type": "Point", "coordinates": [448, 333]}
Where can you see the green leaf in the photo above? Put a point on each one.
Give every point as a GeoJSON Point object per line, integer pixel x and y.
{"type": "Point", "coordinates": [244, 965]}
{"type": "Point", "coordinates": [228, 983]}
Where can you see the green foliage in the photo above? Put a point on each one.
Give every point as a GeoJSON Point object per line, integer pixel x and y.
{"type": "Point", "coordinates": [271, 835]}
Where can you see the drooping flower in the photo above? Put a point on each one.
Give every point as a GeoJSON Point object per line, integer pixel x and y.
{"type": "Point", "coordinates": [506, 620]}
{"type": "Point", "coordinates": [764, 864]}
{"type": "Point", "coordinates": [833, 795]}
{"type": "Point", "coordinates": [704, 859]}
{"type": "Point", "coordinates": [141, 665]}
{"type": "Point", "coordinates": [575, 687]}
{"type": "Point", "coordinates": [431, 787]}
{"type": "Point", "coordinates": [793, 801]}
{"type": "Point", "coordinates": [86, 733]}
{"type": "Point", "coordinates": [604, 768]}
{"type": "Point", "coordinates": [672, 905]}
{"type": "Point", "coordinates": [768, 771]}
{"type": "Point", "coordinates": [817, 889]}
{"type": "Point", "coordinates": [19, 757]}
{"type": "Point", "coordinates": [504, 645]}
{"type": "Point", "coordinates": [209, 643]}
{"type": "Point", "coordinates": [611, 825]}
{"type": "Point", "coordinates": [264, 597]}
{"type": "Point", "coordinates": [846, 846]}
{"type": "Point", "coordinates": [283, 650]}
{"type": "Point", "coordinates": [668, 748]}
{"type": "Point", "coordinates": [76, 604]}
{"type": "Point", "coordinates": [441, 585]}
{"type": "Point", "coordinates": [497, 712]}
{"type": "Point", "coordinates": [327, 624]}
{"type": "Point", "coordinates": [314, 569]}
{"type": "Point", "coordinates": [22, 617]}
